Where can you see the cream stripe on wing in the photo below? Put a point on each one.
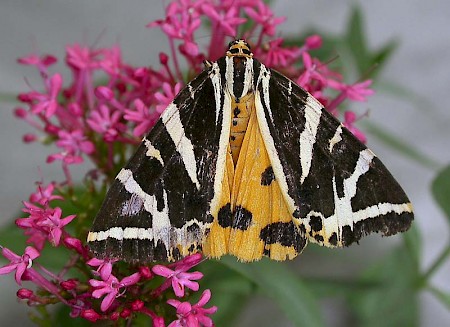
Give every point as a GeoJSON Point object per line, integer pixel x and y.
{"type": "Point", "coordinates": [313, 111]}
{"type": "Point", "coordinates": [174, 126]}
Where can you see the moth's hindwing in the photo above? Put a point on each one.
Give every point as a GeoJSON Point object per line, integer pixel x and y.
{"type": "Point", "coordinates": [336, 188]}
{"type": "Point", "coordinates": [157, 209]}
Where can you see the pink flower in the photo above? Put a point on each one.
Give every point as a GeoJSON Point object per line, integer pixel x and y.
{"type": "Point", "coordinates": [165, 98]}
{"type": "Point", "coordinates": [47, 102]}
{"type": "Point", "coordinates": [144, 118]}
{"type": "Point", "coordinates": [74, 142]}
{"type": "Point", "coordinates": [349, 120]}
{"type": "Point", "coordinates": [54, 225]}
{"type": "Point", "coordinates": [39, 62]}
{"type": "Point", "coordinates": [310, 71]}
{"type": "Point", "coordinates": [111, 288]}
{"type": "Point", "coordinates": [81, 58]}
{"type": "Point", "coordinates": [227, 21]}
{"type": "Point", "coordinates": [44, 195]}
{"type": "Point", "coordinates": [354, 92]}
{"type": "Point", "coordinates": [193, 315]}
{"type": "Point", "coordinates": [65, 157]}
{"type": "Point", "coordinates": [264, 16]}
{"type": "Point", "coordinates": [179, 278]}
{"type": "Point", "coordinates": [279, 56]}
{"type": "Point", "coordinates": [112, 61]}
{"type": "Point", "coordinates": [106, 121]}
{"type": "Point", "coordinates": [19, 263]}
{"type": "Point", "coordinates": [104, 267]}
{"type": "Point", "coordinates": [182, 20]}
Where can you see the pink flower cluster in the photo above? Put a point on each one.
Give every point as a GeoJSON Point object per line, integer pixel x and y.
{"type": "Point", "coordinates": [99, 114]}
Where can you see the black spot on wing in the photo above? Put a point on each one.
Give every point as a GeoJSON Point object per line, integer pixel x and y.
{"type": "Point", "coordinates": [242, 218]}
{"type": "Point", "coordinates": [224, 216]}
{"type": "Point", "coordinates": [315, 223]}
{"type": "Point", "coordinates": [333, 239]}
{"type": "Point", "coordinates": [282, 233]}
{"type": "Point", "coordinates": [267, 176]}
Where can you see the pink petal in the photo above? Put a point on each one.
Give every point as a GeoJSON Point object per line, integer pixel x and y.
{"type": "Point", "coordinates": [32, 252]}
{"type": "Point", "coordinates": [21, 267]}
{"type": "Point", "coordinates": [184, 308]}
{"type": "Point", "coordinates": [178, 287]}
{"type": "Point", "coordinates": [8, 254]}
{"type": "Point", "coordinates": [173, 302]}
{"type": "Point", "coordinates": [192, 285]}
{"type": "Point", "coordinates": [206, 295]}
{"type": "Point", "coordinates": [8, 268]}
{"type": "Point", "coordinates": [108, 300]}
{"type": "Point", "coordinates": [130, 280]}
{"type": "Point", "coordinates": [105, 271]}
{"type": "Point", "coordinates": [162, 271]}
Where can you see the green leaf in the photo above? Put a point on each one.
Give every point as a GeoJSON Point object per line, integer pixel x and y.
{"type": "Point", "coordinates": [12, 237]}
{"type": "Point", "coordinates": [413, 244]}
{"type": "Point", "coordinates": [380, 58]}
{"type": "Point", "coordinates": [230, 291]}
{"type": "Point", "coordinates": [356, 44]}
{"type": "Point", "coordinates": [441, 190]}
{"type": "Point", "coordinates": [399, 146]}
{"type": "Point", "coordinates": [394, 303]}
{"type": "Point", "coordinates": [276, 282]}
{"type": "Point", "coordinates": [443, 297]}
{"type": "Point", "coordinates": [356, 40]}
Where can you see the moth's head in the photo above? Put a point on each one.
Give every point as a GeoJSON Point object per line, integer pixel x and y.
{"type": "Point", "coordinates": [239, 48]}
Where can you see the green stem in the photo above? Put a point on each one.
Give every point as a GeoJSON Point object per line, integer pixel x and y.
{"type": "Point", "coordinates": [439, 261]}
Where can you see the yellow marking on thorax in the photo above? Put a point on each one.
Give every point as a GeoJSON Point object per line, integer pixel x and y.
{"type": "Point", "coordinates": [240, 115]}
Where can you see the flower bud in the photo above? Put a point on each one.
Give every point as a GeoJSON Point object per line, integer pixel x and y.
{"type": "Point", "coordinates": [24, 293]}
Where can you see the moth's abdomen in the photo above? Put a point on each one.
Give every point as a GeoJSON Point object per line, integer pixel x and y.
{"type": "Point", "coordinates": [240, 115]}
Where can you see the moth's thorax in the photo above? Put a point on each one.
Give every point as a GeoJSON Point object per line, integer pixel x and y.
{"type": "Point", "coordinates": [240, 115]}
{"type": "Point", "coordinates": [239, 76]}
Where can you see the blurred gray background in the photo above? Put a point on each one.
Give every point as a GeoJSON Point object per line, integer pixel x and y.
{"type": "Point", "coordinates": [421, 65]}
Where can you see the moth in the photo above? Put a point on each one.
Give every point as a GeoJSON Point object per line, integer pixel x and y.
{"type": "Point", "coordinates": [245, 162]}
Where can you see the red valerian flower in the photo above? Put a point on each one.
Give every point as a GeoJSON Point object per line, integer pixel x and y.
{"type": "Point", "coordinates": [179, 278]}
{"type": "Point", "coordinates": [142, 116]}
{"type": "Point", "coordinates": [44, 195]}
{"type": "Point", "coordinates": [104, 267]}
{"type": "Point", "coordinates": [54, 225]}
{"type": "Point", "coordinates": [193, 315]}
{"type": "Point", "coordinates": [47, 102]}
{"type": "Point", "coordinates": [19, 263]}
{"type": "Point", "coordinates": [111, 288]}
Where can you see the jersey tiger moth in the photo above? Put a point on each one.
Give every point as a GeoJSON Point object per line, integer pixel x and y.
{"type": "Point", "coordinates": [245, 162]}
